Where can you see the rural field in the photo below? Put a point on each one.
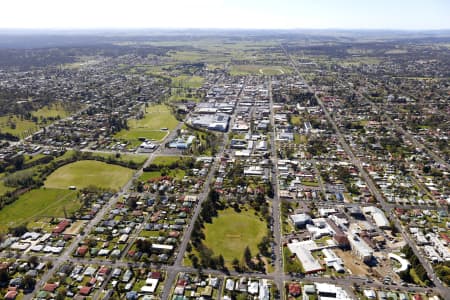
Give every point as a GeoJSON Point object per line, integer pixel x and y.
{"type": "Point", "coordinates": [231, 232]}
{"type": "Point", "coordinates": [156, 118]}
{"type": "Point", "coordinates": [38, 203]}
{"type": "Point", "coordinates": [87, 173]}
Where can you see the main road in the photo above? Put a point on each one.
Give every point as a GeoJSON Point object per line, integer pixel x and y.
{"type": "Point", "coordinates": [173, 270]}
{"type": "Point", "coordinates": [276, 204]}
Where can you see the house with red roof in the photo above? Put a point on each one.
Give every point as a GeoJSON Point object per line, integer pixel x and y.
{"type": "Point", "coordinates": [295, 289]}
{"type": "Point", "coordinates": [11, 295]}
{"type": "Point", "coordinates": [85, 290]}
{"type": "Point", "coordinates": [61, 227]}
{"type": "Point", "coordinates": [50, 287]}
{"type": "Point", "coordinates": [82, 250]}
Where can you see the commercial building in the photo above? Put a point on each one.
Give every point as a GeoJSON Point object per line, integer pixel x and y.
{"type": "Point", "coordinates": [300, 220]}
{"type": "Point", "coordinates": [303, 252]}
{"type": "Point", "coordinates": [360, 248]}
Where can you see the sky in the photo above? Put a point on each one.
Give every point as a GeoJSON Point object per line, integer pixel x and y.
{"type": "Point", "coordinates": [252, 14]}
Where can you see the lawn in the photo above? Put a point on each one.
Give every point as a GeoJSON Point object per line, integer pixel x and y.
{"type": "Point", "coordinates": [231, 232]}
{"type": "Point", "coordinates": [291, 265]}
{"type": "Point", "coordinates": [32, 158]}
{"type": "Point", "coordinates": [296, 120]}
{"type": "Point", "coordinates": [156, 118]}
{"type": "Point", "coordinates": [166, 160]}
{"type": "Point", "coordinates": [176, 173]}
{"type": "Point", "coordinates": [87, 173]}
{"type": "Point", "coordinates": [38, 203]}
{"type": "Point", "coordinates": [300, 139]}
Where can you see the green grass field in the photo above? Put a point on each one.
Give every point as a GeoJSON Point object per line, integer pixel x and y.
{"type": "Point", "coordinates": [156, 117]}
{"type": "Point", "coordinates": [38, 203]}
{"type": "Point", "coordinates": [296, 120]}
{"type": "Point", "coordinates": [3, 188]}
{"type": "Point", "coordinates": [258, 70]}
{"type": "Point", "coordinates": [87, 173]}
{"type": "Point", "coordinates": [166, 160]}
{"type": "Point", "coordinates": [177, 173]}
{"type": "Point", "coordinates": [185, 81]}
{"type": "Point", "coordinates": [231, 232]}
{"type": "Point", "coordinates": [54, 110]}
{"type": "Point", "coordinates": [16, 126]}
{"type": "Point", "coordinates": [134, 134]}
{"type": "Point", "coordinates": [136, 158]}
{"type": "Point", "coordinates": [181, 95]}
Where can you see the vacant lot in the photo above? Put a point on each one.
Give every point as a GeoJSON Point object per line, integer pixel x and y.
{"type": "Point", "coordinates": [356, 266]}
{"type": "Point", "coordinates": [89, 173]}
{"type": "Point", "coordinates": [36, 204]}
{"type": "Point", "coordinates": [231, 232]}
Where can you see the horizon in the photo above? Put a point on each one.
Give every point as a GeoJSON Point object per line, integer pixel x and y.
{"type": "Point", "coordinates": [413, 15]}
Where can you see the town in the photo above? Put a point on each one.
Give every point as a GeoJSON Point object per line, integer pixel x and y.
{"type": "Point", "coordinates": [241, 166]}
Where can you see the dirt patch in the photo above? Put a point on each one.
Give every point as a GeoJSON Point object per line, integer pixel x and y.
{"type": "Point", "coordinates": [356, 266]}
{"type": "Point", "coordinates": [75, 228]}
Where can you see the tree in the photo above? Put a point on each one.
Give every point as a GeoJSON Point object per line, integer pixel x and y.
{"type": "Point", "coordinates": [61, 295]}
{"type": "Point", "coordinates": [4, 276]}
{"type": "Point", "coordinates": [18, 231]}
{"type": "Point", "coordinates": [33, 260]}
{"type": "Point", "coordinates": [221, 261]}
{"type": "Point", "coordinates": [235, 264]}
{"type": "Point", "coordinates": [247, 255]}
{"type": "Point", "coordinates": [28, 282]}
{"type": "Point", "coordinates": [194, 260]}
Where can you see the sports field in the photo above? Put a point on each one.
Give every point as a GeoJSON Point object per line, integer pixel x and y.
{"type": "Point", "coordinates": [258, 70]}
{"type": "Point", "coordinates": [86, 173]}
{"type": "Point", "coordinates": [231, 232]}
